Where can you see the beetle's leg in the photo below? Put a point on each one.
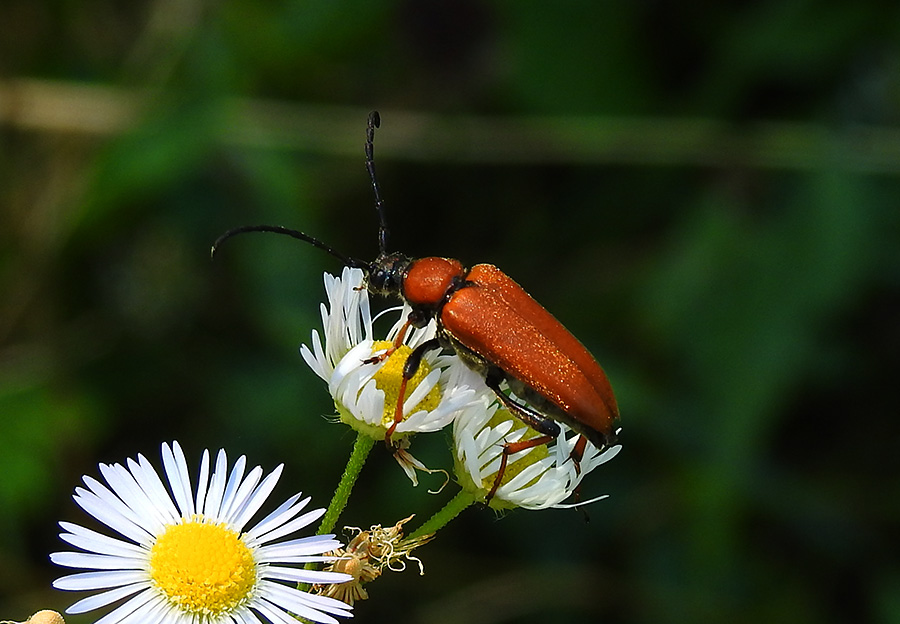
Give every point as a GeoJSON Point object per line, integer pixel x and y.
{"type": "Point", "coordinates": [577, 453]}
{"type": "Point", "coordinates": [409, 370]}
{"type": "Point", "coordinates": [401, 336]}
{"type": "Point", "coordinates": [530, 417]}
{"type": "Point", "coordinates": [511, 448]}
{"type": "Point", "coordinates": [416, 318]}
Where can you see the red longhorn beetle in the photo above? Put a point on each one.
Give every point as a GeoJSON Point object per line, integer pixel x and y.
{"type": "Point", "coordinates": [495, 328]}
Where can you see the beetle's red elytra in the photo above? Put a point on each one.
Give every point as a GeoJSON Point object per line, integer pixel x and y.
{"type": "Point", "coordinates": [500, 322]}
{"type": "Point", "coordinates": [496, 328]}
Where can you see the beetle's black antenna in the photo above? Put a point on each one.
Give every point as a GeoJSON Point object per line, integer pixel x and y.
{"type": "Point", "coordinates": [277, 229]}
{"type": "Point", "coordinates": [375, 122]}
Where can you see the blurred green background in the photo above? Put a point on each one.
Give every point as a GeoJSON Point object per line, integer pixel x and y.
{"type": "Point", "coordinates": [707, 195]}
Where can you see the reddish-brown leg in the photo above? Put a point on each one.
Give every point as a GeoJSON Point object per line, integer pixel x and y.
{"type": "Point", "coordinates": [398, 412]}
{"type": "Point", "coordinates": [401, 336]}
{"type": "Point", "coordinates": [576, 456]}
{"type": "Point", "coordinates": [409, 370]}
{"type": "Point", "coordinates": [508, 449]}
{"type": "Point", "coordinates": [577, 453]}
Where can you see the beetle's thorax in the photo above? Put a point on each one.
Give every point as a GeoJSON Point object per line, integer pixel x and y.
{"type": "Point", "coordinates": [425, 283]}
{"type": "Point", "coordinates": [430, 281]}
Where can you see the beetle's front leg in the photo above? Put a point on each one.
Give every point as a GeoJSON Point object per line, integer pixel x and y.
{"type": "Point", "coordinates": [414, 319]}
{"type": "Point", "coordinates": [401, 336]}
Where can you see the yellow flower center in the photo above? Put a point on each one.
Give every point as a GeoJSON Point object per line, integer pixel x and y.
{"type": "Point", "coordinates": [203, 568]}
{"type": "Point", "coordinates": [389, 377]}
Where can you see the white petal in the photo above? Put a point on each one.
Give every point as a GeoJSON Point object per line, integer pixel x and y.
{"type": "Point", "coordinates": [294, 599]}
{"type": "Point", "coordinates": [89, 540]}
{"type": "Point", "coordinates": [241, 495]}
{"type": "Point", "coordinates": [84, 581]}
{"type": "Point", "coordinates": [120, 613]}
{"type": "Point", "coordinates": [128, 490]}
{"type": "Point", "coordinates": [231, 488]}
{"type": "Point", "coordinates": [349, 363]}
{"type": "Point", "coordinates": [110, 515]}
{"type": "Point", "coordinates": [275, 614]}
{"type": "Point", "coordinates": [179, 479]}
{"type": "Point", "coordinates": [90, 561]}
{"type": "Point", "coordinates": [581, 503]}
{"type": "Point", "coordinates": [282, 514]}
{"type": "Point", "coordinates": [213, 503]}
{"type": "Point", "coordinates": [256, 498]}
{"type": "Point", "coordinates": [243, 615]}
{"type": "Point", "coordinates": [108, 597]}
{"type": "Point", "coordinates": [315, 360]}
{"type": "Point", "coordinates": [415, 397]}
{"type": "Point", "coordinates": [153, 489]}
{"type": "Point", "coordinates": [154, 611]}
{"type": "Point", "coordinates": [295, 525]}
{"type": "Point", "coordinates": [396, 328]}
{"type": "Point", "coordinates": [202, 482]}
{"type": "Point", "coordinates": [301, 575]}
{"type": "Point", "coordinates": [275, 611]}
{"type": "Point", "coordinates": [292, 551]}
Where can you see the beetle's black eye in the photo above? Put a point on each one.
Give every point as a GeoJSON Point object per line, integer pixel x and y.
{"type": "Point", "coordinates": [378, 280]}
{"type": "Point", "coordinates": [386, 274]}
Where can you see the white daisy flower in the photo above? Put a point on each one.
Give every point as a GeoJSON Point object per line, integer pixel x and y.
{"type": "Point", "coordinates": [365, 388]}
{"type": "Point", "coordinates": [535, 478]}
{"type": "Point", "coordinates": [188, 559]}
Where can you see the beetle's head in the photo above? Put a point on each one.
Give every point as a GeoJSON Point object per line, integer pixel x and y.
{"type": "Point", "coordinates": [385, 275]}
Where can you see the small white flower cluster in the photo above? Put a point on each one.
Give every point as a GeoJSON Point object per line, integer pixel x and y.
{"type": "Point", "coordinates": [363, 379]}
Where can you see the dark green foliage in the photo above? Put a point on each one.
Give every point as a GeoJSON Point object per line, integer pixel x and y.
{"type": "Point", "coordinates": [739, 282]}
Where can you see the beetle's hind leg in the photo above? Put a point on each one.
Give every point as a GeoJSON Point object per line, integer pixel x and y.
{"type": "Point", "coordinates": [534, 419]}
{"type": "Point", "coordinates": [531, 417]}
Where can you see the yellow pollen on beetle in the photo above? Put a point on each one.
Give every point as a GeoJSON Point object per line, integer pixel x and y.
{"type": "Point", "coordinates": [389, 377]}
{"type": "Point", "coordinates": [203, 568]}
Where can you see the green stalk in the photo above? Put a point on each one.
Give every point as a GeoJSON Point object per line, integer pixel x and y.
{"type": "Point", "coordinates": [453, 508]}
{"type": "Point", "coordinates": [357, 460]}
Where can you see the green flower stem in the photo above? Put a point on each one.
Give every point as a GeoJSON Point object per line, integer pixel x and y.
{"type": "Point", "coordinates": [357, 460]}
{"type": "Point", "coordinates": [452, 509]}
